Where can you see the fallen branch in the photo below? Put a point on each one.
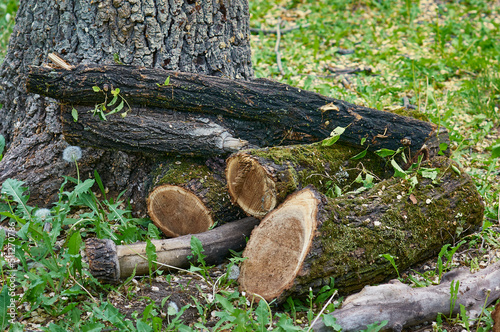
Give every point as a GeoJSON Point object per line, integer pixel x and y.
{"type": "Point", "coordinates": [110, 263]}
{"type": "Point", "coordinates": [403, 306]}
{"type": "Point", "coordinates": [260, 111]}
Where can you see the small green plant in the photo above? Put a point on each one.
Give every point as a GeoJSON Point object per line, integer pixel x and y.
{"type": "Point", "coordinates": [2, 146]}
{"type": "Point", "coordinates": [101, 109]}
{"type": "Point", "coordinates": [390, 258]}
{"type": "Point", "coordinates": [454, 286]}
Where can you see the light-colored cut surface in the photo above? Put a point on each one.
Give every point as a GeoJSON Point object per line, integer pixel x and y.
{"type": "Point", "coordinates": [250, 185]}
{"type": "Point", "coordinates": [177, 211]}
{"type": "Point", "coordinates": [278, 247]}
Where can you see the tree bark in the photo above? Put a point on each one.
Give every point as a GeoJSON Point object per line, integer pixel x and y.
{"type": "Point", "coordinates": [310, 238]}
{"type": "Point", "coordinates": [403, 306]}
{"type": "Point", "coordinates": [209, 37]}
{"type": "Point", "coordinates": [259, 179]}
{"type": "Point", "coordinates": [110, 263]}
{"type": "Point", "coordinates": [262, 112]}
{"type": "Point", "coordinates": [187, 196]}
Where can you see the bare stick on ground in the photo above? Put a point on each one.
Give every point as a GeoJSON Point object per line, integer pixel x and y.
{"type": "Point", "coordinates": [403, 306]}
{"type": "Point", "coordinates": [310, 238]}
{"type": "Point", "coordinates": [110, 263]}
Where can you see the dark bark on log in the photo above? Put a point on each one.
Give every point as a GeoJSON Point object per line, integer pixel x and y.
{"type": "Point", "coordinates": [202, 183]}
{"type": "Point", "coordinates": [259, 179]}
{"type": "Point", "coordinates": [403, 306]}
{"type": "Point", "coordinates": [209, 37]}
{"type": "Point", "coordinates": [262, 112]}
{"type": "Point", "coordinates": [310, 238]}
{"type": "Point", "coordinates": [110, 263]}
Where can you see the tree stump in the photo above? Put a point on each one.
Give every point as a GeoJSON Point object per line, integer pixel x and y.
{"type": "Point", "coordinates": [259, 179]}
{"type": "Point", "coordinates": [310, 238]}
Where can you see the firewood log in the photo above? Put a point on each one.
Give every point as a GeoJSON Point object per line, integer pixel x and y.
{"type": "Point", "coordinates": [260, 111]}
{"type": "Point", "coordinates": [110, 263]}
{"type": "Point", "coordinates": [259, 179]}
{"type": "Point", "coordinates": [310, 238]}
{"type": "Point", "coordinates": [188, 196]}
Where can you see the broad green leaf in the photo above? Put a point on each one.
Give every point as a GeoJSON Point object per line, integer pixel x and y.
{"type": "Point", "coordinates": [330, 141]}
{"type": "Point", "coordinates": [429, 173]}
{"type": "Point", "coordinates": [113, 101]}
{"type": "Point", "coordinates": [398, 171]}
{"type": "Point", "coordinates": [151, 254]}
{"type": "Point", "coordinates": [15, 189]}
{"type": "Point", "coordinates": [334, 136]}
{"type": "Point", "coordinates": [4, 308]}
{"type": "Point", "coordinates": [495, 151]}
{"type": "Point", "coordinates": [74, 114]}
{"type": "Point", "coordinates": [167, 81]}
{"type": "Point", "coordinates": [96, 88]}
{"type": "Point", "coordinates": [331, 321]}
{"type": "Point", "coordinates": [115, 92]}
{"type": "Point", "coordinates": [197, 249]}
{"type": "Point", "coordinates": [2, 144]}
{"type": "Point", "coordinates": [262, 314]}
{"type": "Point", "coordinates": [360, 155]}
{"type": "Point", "coordinates": [385, 153]}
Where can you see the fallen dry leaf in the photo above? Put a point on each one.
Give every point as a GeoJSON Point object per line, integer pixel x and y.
{"type": "Point", "coordinates": [413, 199]}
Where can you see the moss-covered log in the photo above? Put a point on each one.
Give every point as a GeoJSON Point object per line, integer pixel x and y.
{"type": "Point", "coordinates": [310, 238]}
{"type": "Point", "coordinates": [188, 196]}
{"type": "Point", "coordinates": [259, 179]}
{"type": "Point", "coordinates": [260, 111]}
{"type": "Point", "coordinates": [110, 263]}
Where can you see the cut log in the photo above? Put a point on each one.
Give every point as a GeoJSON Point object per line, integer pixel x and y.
{"type": "Point", "coordinates": [403, 306]}
{"type": "Point", "coordinates": [262, 112]}
{"type": "Point", "coordinates": [177, 211]}
{"type": "Point", "coordinates": [188, 196]}
{"type": "Point", "coordinates": [110, 263]}
{"type": "Point", "coordinates": [310, 238]}
{"type": "Point", "coordinates": [259, 179]}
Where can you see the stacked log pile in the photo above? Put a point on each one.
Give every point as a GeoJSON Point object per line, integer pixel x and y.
{"type": "Point", "coordinates": [304, 237]}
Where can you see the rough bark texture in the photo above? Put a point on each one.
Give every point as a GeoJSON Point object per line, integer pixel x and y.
{"type": "Point", "coordinates": [109, 262]}
{"type": "Point", "coordinates": [262, 112]}
{"type": "Point", "coordinates": [203, 179]}
{"type": "Point", "coordinates": [344, 237]}
{"type": "Point", "coordinates": [403, 306]}
{"type": "Point", "coordinates": [259, 179]}
{"type": "Point", "coordinates": [209, 37]}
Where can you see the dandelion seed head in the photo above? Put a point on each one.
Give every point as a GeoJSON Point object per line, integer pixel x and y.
{"type": "Point", "coordinates": [42, 213]}
{"type": "Point", "coordinates": [72, 154]}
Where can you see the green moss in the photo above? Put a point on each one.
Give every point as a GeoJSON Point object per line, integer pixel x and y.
{"type": "Point", "coordinates": [321, 166]}
{"type": "Point", "coordinates": [352, 240]}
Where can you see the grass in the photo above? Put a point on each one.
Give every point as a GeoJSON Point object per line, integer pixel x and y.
{"type": "Point", "coordinates": [442, 56]}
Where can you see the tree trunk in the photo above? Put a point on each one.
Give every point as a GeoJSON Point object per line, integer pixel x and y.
{"type": "Point", "coordinates": [262, 112]}
{"type": "Point", "coordinates": [259, 179]}
{"type": "Point", "coordinates": [187, 196]}
{"type": "Point", "coordinates": [209, 37]}
{"type": "Point", "coordinates": [110, 263]}
{"type": "Point", "coordinates": [309, 238]}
